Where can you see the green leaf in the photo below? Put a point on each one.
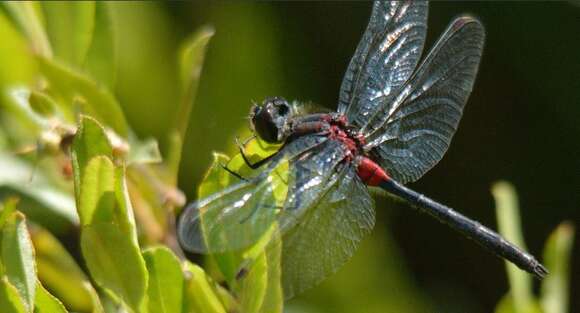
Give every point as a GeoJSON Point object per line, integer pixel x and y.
{"type": "Point", "coordinates": [28, 16]}
{"type": "Point", "coordinates": [507, 305]}
{"type": "Point", "coordinates": [215, 178]}
{"type": "Point", "coordinates": [508, 217]}
{"type": "Point", "coordinates": [143, 152]}
{"type": "Point", "coordinates": [165, 289]}
{"type": "Point", "coordinates": [95, 100]}
{"type": "Point", "coordinates": [18, 258]}
{"type": "Point", "coordinates": [90, 141]}
{"type": "Point", "coordinates": [101, 61]}
{"type": "Point", "coordinates": [200, 292]}
{"type": "Point", "coordinates": [10, 301]}
{"type": "Point", "coordinates": [8, 208]}
{"type": "Point", "coordinates": [70, 25]}
{"type": "Point", "coordinates": [557, 253]}
{"type": "Point", "coordinates": [191, 59]}
{"type": "Point", "coordinates": [115, 263]}
{"type": "Point", "coordinates": [97, 193]}
{"type": "Point", "coordinates": [260, 289]}
{"type": "Point", "coordinates": [42, 104]}
{"type": "Point", "coordinates": [124, 213]}
{"type": "Point", "coordinates": [46, 303]}
{"type": "Point", "coordinates": [40, 200]}
{"type": "Point", "coordinates": [59, 272]}
{"type": "Point", "coordinates": [173, 157]}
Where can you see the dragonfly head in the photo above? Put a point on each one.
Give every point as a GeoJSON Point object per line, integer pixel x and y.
{"type": "Point", "coordinates": [270, 120]}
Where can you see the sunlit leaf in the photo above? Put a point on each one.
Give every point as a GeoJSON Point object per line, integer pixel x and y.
{"type": "Point", "coordinates": [166, 281]}
{"type": "Point", "coordinates": [10, 300]}
{"type": "Point", "coordinates": [90, 141]}
{"type": "Point", "coordinates": [146, 151]}
{"type": "Point", "coordinates": [97, 201]}
{"type": "Point", "coordinates": [557, 254]}
{"type": "Point", "coordinates": [509, 225]}
{"type": "Point", "coordinates": [200, 295]}
{"type": "Point", "coordinates": [507, 305]}
{"type": "Point", "coordinates": [115, 262]}
{"type": "Point", "coordinates": [227, 299]}
{"type": "Point", "coordinates": [124, 213]}
{"type": "Point", "coordinates": [44, 302]}
{"type": "Point", "coordinates": [18, 258]}
{"type": "Point", "coordinates": [8, 208]}
{"type": "Point", "coordinates": [216, 178]}
{"type": "Point", "coordinates": [70, 25]}
{"type": "Point", "coordinates": [59, 272]}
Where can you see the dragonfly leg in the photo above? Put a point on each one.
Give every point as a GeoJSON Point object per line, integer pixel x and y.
{"type": "Point", "coordinates": [256, 165]}
{"type": "Point", "coordinates": [227, 169]}
{"type": "Point", "coordinates": [246, 141]}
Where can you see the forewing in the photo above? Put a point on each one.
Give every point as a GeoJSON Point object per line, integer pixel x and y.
{"type": "Point", "coordinates": [238, 216]}
{"type": "Point", "coordinates": [385, 58]}
{"type": "Point", "coordinates": [231, 219]}
{"type": "Point", "coordinates": [410, 135]}
{"type": "Point", "coordinates": [328, 233]}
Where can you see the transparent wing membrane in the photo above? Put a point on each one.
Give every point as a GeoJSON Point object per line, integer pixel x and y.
{"type": "Point", "coordinates": [327, 235]}
{"type": "Point", "coordinates": [321, 208]}
{"type": "Point", "coordinates": [410, 134]}
{"type": "Point", "coordinates": [385, 58]}
{"type": "Point", "coordinates": [238, 216]}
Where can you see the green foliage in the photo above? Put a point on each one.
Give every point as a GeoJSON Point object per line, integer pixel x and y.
{"type": "Point", "coordinates": [44, 302]}
{"type": "Point", "coordinates": [520, 298]}
{"type": "Point", "coordinates": [118, 182]}
{"type": "Point", "coordinates": [555, 294]}
{"type": "Point", "coordinates": [71, 76]}
{"type": "Point", "coordinates": [18, 258]}
{"type": "Point", "coordinates": [115, 263]}
{"type": "Point", "coordinates": [166, 281]}
{"type": "Point", "coordinates": [10, 300]}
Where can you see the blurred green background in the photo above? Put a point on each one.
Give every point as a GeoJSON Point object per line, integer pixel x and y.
{"type": "Point", "coordinates": [522, 124]}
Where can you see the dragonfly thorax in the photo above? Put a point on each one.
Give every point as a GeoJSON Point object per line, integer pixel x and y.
{"type": "Point", "coordinates": [271, 119]}
{"type": "Point", "coordinates": [352, 139]}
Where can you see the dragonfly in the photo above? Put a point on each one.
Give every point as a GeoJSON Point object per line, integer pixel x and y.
{"type": "Point", "coordinates": [395, 120]}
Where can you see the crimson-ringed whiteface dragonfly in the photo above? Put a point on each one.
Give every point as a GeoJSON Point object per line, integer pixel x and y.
{"type": "Point", "coordinates": [395, 120]}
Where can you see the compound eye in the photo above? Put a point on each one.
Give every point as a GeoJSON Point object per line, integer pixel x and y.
{"type": "Point", "coordinates": [256, 109]}
{"type": "Point", "coordinates": [283, 109]}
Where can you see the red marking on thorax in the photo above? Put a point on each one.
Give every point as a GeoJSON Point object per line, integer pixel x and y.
{"type": "Point", "coordinates": [337, 133]}
{"type": "Point", "coordinates": [370, 172]}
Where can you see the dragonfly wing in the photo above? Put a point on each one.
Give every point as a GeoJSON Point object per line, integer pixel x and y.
{"type": "Point", "coordinates": [385, 58]}
{"type": "Point", "coordinates": [328, 234]}
{"type": "Point", "coordinates": [410, 134]}
{"type": "Point", "coordinates": [238, 216]}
